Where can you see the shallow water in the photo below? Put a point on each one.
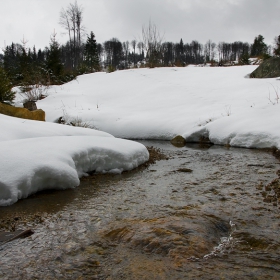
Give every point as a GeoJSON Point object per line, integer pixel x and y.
{"type": "Point", "coordinates": [198, 215]}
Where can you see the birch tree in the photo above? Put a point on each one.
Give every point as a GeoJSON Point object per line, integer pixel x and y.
{"type": "Point", "coordinates": [71, 20]}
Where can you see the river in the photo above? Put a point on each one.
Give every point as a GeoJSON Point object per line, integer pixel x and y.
{"type": "Point", "coordinates": [202, 213]}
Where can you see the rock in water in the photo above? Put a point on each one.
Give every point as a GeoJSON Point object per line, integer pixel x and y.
{"type": "Point", "coordinates": [178, 141]}
{"type": "Point", "coordinates": [270, 68]}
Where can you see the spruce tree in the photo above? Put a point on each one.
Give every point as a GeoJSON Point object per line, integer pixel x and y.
{"type": "Point", "coordinates": [276, 50]}
{"type": "Point", "coordinates": [244, 59]}
{"type": "Point", "coordinates": [181, 52]}
{"type": "Point", "coordinates": [54, 64]}
{"type": "Point", "coordinates": [259, 48]}
{"type": "Point", "coordinates": [91, 54]}
{"type": "Point", "coordinates": [11, 63]}
{"type": "Point", "coordinates": [6, 93]}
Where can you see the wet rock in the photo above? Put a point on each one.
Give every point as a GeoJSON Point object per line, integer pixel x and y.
{"type": "Point", "coordinates": [71, 247]}
{"type": "Point", "coordinates": [185, 170]}
{"type": "Point", "coordinates": [176, 238]}
{"type": "Point", "coordinates": [178, 141]}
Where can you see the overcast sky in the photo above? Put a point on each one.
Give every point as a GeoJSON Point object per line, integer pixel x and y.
{"type": "Point", "coordinates": [218, 20]}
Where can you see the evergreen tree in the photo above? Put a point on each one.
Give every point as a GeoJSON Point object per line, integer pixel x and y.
{"type": "Point", "coordinates": [40, 56]}
{"type": "Point", "coordinates": [91, 53]}
{"type": "Point", "coordinates": [34, 55]}
{"type": "Point", "coordinates": [11, 62]}
{"type": "Point", "coordinates": [1, 60]}
{"type": "Point", "coordinates": [276, 50]}
{"type": "Point", "coordinates": [6, 93]}
{"type": "Point", "coordinates": [180, 50]}
{"type": "Point", "coordinates": [54, 64]}
{"type": "Point", "coordinates": [244, 59]}
{"type": "Point", "coordinates": [259, 48]}
{"type": "Point", "coordinates": [25, 61]}
{"type": "Point", "coordinates": [168, 53]}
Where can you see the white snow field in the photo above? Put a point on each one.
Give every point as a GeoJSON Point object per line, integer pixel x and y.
{"type": "Point", "coordinates": [36, 156]}
{"type": "Point", "coordinates": [221, 103]}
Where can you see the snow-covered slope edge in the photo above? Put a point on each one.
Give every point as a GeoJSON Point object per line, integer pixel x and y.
{"type": "Point", "coordinates": [257, 128]}
{"type": "Point", "coordinates": [31, 165]}
{"type": "Point", "coordinates": [35, 156]}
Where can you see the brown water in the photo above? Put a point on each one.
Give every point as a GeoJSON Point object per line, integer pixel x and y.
{"type": "Point", "coordinates": [199, 215]}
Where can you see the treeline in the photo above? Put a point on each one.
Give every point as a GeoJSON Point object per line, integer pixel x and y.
{"type": "Point", "coordinates": [55, 64]}
{"type": "Point", "coordinates": [60, 63]}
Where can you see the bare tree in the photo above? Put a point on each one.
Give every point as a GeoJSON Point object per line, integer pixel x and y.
{"type": "Point", "coordinates": [71, 20]}
{"type": "Point", "coordinates": [133, 44]}
{"type": "Point", "coordinates": [64, 21]}
{"type": "Point", "coordinates": [140, 47]}
{"type": "Point", "coordinates": [152, 42]}
{"type": "Point", "coordinates": [209, 51]}
{"type": "Point", "coordinates": [220, 50]}
{"type": "Point", "coordinates": [126, 51]}
{"type": "Point", "coordinates": [213, 51]}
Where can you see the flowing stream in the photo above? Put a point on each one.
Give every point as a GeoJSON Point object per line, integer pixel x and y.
{"type": "Point", "coordinates": [203, 213]}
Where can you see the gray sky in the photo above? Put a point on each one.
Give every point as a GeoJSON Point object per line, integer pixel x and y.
{"type": "Point", "coordinates": [218, 20]}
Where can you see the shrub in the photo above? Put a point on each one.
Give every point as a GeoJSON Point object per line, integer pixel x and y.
{"type": "Point", "coordinates": [6, 93]}
{"type": "Point", "coordinates": [34, 92]}
{"type": "Point", "coordinates": [111, 69]}
{"type": "Point", "coordinates": [244, 59]}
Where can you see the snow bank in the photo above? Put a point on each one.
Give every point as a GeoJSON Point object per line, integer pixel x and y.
{"type": "Point", "coordinates": [31, 165]}
{"type": "Point", "coordinates": [219, 102]}
{"type": "Point", "coordinates": [36, 156]}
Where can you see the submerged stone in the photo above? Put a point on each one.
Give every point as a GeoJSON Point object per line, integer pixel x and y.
{"type": "Point", "coordinates": [186, 170]}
